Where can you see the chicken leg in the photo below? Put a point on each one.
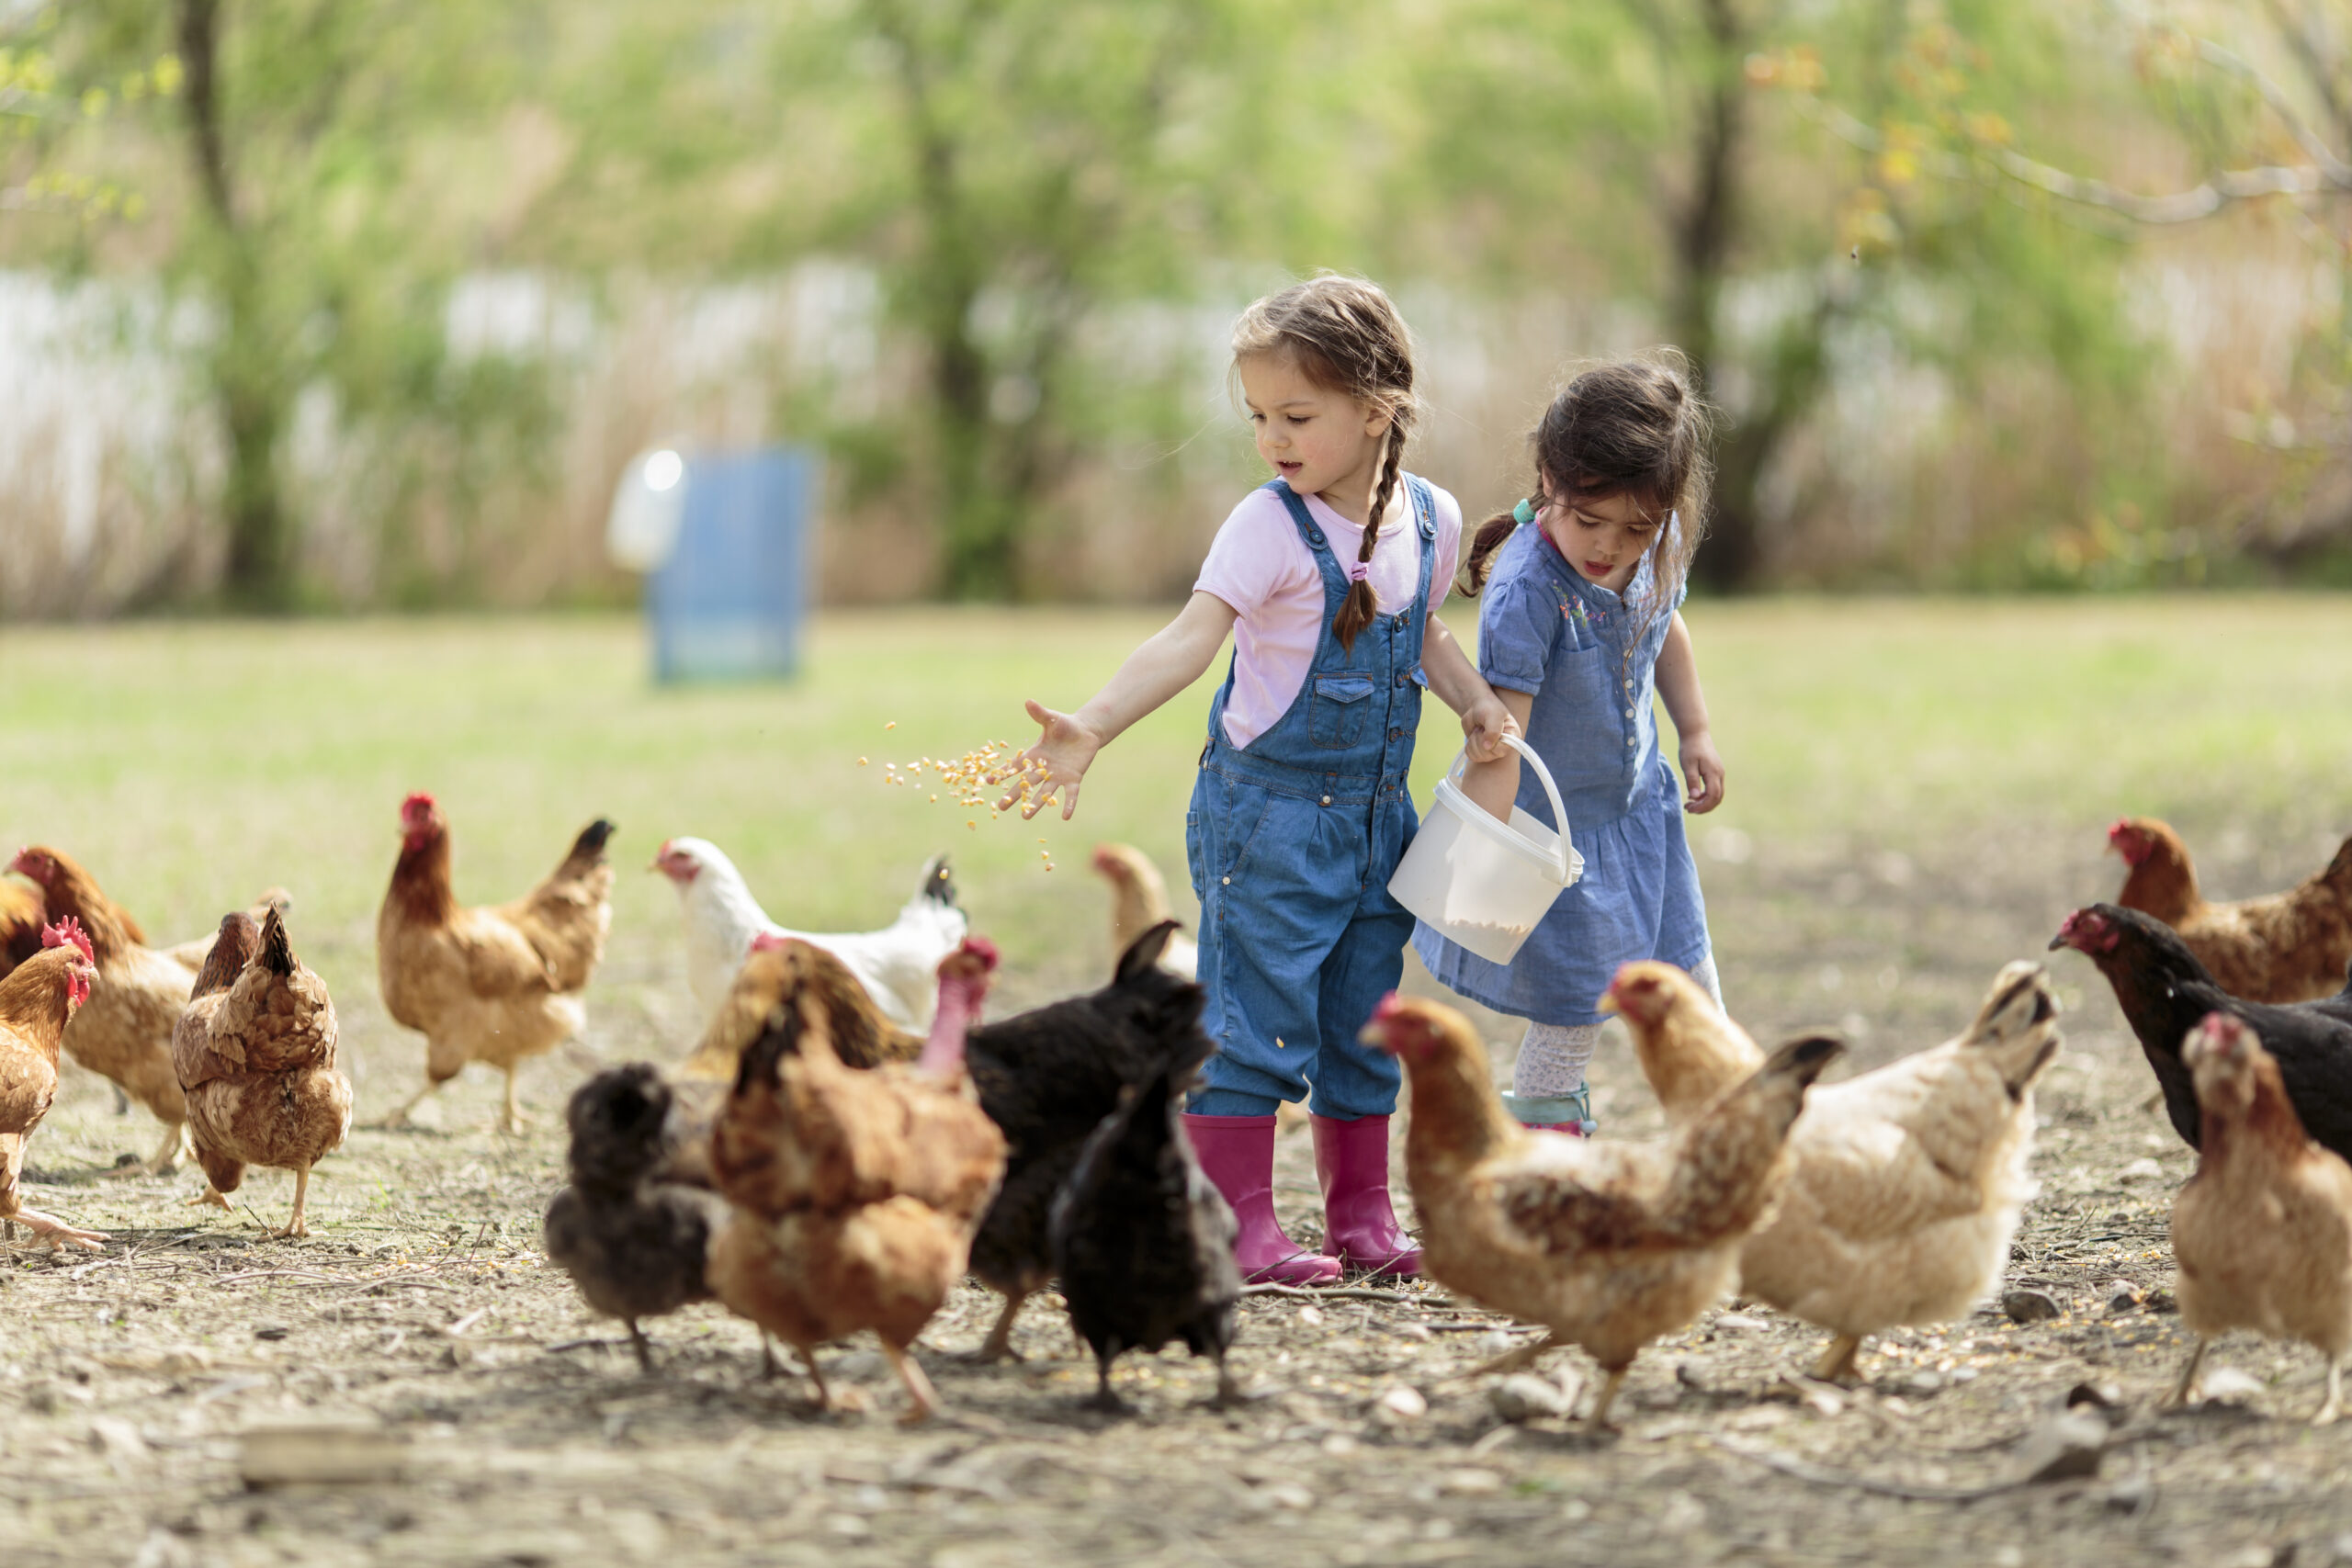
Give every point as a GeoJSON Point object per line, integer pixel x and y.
{"type": "Point", "coordinates": [1517, 1360]}
{"type": "Point", "coordinates": [998, 1345]}
{"type": "Point", "coordinates": [510, 1122]}
{"type": "Point", "coordinates": [1837, 1361]}
{"type": "Point", "coordinates": [56, 1232]}
{"type": "Point", "coordinates": [645, 1351]}
{"type": "Point", "coordinates": [400, 1118]}
{"type": "Point", "coordinates": [2187, 1386]}
{"type": "Point", "coordinates": [165, 1159]}
{"type": "Point", "coordinates": [2334, 1405]}
{"type": "Point", "coordinates": [298, 1227]}
{"type": "Point", "coordinates": [1615, 1381]}
{"type": "Point", "coordinates": [919, 1389]}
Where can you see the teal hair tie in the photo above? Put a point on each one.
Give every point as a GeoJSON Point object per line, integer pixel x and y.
{"type": "Point", "coordinates": [1524, 513]}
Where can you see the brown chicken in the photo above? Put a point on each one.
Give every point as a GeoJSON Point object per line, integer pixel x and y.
{"type": "Point", "coordinates": [779, 971]}
{"type": "Point", "coordinates": [1140, 902]}
{"type": "Point", "coordinates": [37, 1000]}
{"type": "Point", "coordinates": [23, 913]}
{"type": "Point", "coordinates": [1607, 1245]}
{"type": "Point", "coordinates": [2287, 947]}
{"type": "Point", "coordinates": [125, 1032]}
{"type": "Point", "coordinates": [854, 1194]}
{"type": "Point", "coordinates": [255, 1056]}
{"type": "Point", "coordinates": [1908, 1181]}
{"type": "Point", "coordinates": [495, 985]}
{"type": "Point", "coordinates": [2263, 1231]}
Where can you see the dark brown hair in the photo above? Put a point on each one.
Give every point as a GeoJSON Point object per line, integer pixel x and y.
{"type": "Point", "coordinates": [1632, 427]}
{"type": "Point", "coordinates": [1344, 335]}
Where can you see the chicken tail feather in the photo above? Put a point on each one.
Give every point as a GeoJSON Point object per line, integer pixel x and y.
{"type": "Point", "coordinates": [276, 949]}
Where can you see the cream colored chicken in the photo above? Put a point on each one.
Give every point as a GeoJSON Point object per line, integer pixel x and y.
{"type": "Point", "coordinates": [1608, 1244]}
{"type": "Point", "coordinates": [1908, 1181]}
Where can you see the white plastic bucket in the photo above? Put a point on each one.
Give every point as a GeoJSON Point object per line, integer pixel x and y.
{"type": "Point", "coordinates": [1478, 882]}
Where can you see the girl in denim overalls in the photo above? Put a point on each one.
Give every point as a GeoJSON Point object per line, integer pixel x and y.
{"type": "Point", "coordinates": [1582, 623]}
{"type": "Point", "coordinates": [1326, 577]}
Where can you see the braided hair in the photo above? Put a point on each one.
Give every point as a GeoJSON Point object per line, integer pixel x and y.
{"type": "Point", "coordinates": [1344, 335]}
{"type": "Point", "coordinates": [1634, 427]}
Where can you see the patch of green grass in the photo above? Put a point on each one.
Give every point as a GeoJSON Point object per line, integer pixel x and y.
{"type": "Point", "coordinates": [191, 764]}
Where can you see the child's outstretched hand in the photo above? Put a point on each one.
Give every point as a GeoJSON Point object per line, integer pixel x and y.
{"type": "Point", "coordinates": [1057, 763]}
{"type": "Point", "coordinates": [1484, 724]}
{"type": "Point", "coordinates": [1702, 773]}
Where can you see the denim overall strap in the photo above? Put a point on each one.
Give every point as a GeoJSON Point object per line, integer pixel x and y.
{"type": "Point", "coordinates": [1349, 734]}
{"type": "Point", "coordinates": [1291, 840]}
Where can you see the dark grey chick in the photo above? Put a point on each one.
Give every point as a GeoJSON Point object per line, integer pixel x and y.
{"type": "Point", "coordinates": [1142, 1240]}
{"type": "Point", "coordinates": [633, 1243]}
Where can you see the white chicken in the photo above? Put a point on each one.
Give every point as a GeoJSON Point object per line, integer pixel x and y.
{"type": "Point", "coordinates": [899, 965]}
{"type": "Point", "coordinates": [1908, 1181]}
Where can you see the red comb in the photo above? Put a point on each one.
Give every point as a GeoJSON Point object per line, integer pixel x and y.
{"type": "Point", "coordinates": [65, 930]}
{"type": "Point", "coordinates": [984, 950]}
{"type": "Point", "coordinates": [1390, 1005]}
{"type": "Point", "coordinates": [418, 801]}
{"type": "Point", "coordinates": [768, 941]}
{"type": "Point", "coordinates": [2118, 828]}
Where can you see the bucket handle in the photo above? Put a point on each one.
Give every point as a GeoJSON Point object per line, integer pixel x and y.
{"type": "Point", "coordinates": [1560, 851]}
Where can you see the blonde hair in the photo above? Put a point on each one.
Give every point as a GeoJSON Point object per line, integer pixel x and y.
{"type": "Point", "coordinates": [1345, 336]}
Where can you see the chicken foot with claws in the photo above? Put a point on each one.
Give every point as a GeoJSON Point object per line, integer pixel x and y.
{"type": "Point", "coordinates": [56, 1232]}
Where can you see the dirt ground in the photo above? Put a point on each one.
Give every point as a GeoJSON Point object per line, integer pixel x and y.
{"type": "Point", "coordinates": [420, 1343]}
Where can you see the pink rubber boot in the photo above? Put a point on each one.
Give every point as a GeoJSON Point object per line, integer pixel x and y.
{"type": "Point", "coordinates": [1359, 1227]}
{"type": "Point", "coordinates": [1237, 1153]}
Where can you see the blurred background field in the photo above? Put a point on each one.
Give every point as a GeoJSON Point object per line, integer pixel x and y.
{"type": "Point", "coordinates": [1918, 787]}
{"type": "Point", "coordinates": [367, 305]}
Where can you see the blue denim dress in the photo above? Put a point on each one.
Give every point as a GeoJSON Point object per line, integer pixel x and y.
{"type": "Point", "coordinates": [1592, 670]}
{"type": "Point", "coordinates": [1291, 842]}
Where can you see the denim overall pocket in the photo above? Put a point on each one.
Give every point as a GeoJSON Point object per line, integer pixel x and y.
{"type": "Point", "coordinates": [1335, 717]}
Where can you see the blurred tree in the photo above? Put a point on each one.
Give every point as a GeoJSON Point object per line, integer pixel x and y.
{"type": "Point", "coordinates": [1013, 167]}
{"type": "Point", "coordinates": [1767, 245]}
{"type": "Point", "coordinates": [289, 146]}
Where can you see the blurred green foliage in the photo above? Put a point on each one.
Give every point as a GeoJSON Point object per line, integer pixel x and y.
{"type": "Point", "coordinates": [1820, 201]}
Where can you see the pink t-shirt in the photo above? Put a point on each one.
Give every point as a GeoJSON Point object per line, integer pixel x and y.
{"type": "Point", "coordinates": [1260, 566]}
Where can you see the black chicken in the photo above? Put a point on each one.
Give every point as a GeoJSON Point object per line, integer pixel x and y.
{"type": "Point", "coordinates": [632, 1242]}
{"type": "Point", "coordinates": [2165, 991]}
{"type": "Point", "coordinates": [1142, 1239]}
{"type": "Point", "coordinates": [1047, 1077]}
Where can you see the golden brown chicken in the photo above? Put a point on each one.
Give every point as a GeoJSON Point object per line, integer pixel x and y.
{"type": "Point", "coordinates": [2263, 1231]}
{"type": "Point", "coordinates": [1608, 1244]}
{"type": "Point", "coordinates": [1138, 902]}
{"type": "Point", "coordinates": [255, 1056]}
{"type": "Point", "coordinates": [495, 985]}
{"type": "Point", "coordinates": [778, 974]}
{"type": "Point", "coordinates": [854, 1194]}
{"type": "Point", "coordinates": [23, 913]}
{"type": "Point", "coordinates": [37, 1000]}
{"type": "Point", "coordinates": [1908, 1181]}
{"type": "Point", "coordinates": [125, 1031]}
{"type": "Point", "coordinates": [2287, 947]}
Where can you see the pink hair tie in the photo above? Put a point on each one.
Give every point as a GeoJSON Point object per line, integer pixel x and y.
{"type": "Point", "coordinates": [1359, 572]}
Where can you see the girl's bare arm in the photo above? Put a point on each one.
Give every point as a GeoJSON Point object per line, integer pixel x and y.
{"type": "Point", "coordinates": [1457, 681]}
{"type": "Point", "coordinates": [1685, 705]}
{"type": "Point", "coordinates": [1169, 661]}
{"type": "Point", "coordinates": [1494, 785]}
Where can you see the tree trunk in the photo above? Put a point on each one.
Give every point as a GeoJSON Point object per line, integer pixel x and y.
{"type": "Point", "coordinates": [247, 388]}
{"type": "Point", "coordinates": [1733, 552]}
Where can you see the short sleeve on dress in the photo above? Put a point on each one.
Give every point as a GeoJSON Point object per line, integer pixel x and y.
{"type": "Point", "coordinates": [1516, 631]}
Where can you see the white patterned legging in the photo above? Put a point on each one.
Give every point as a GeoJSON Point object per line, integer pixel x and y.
{"type": "Point", "coordinates": [1552, 1058]}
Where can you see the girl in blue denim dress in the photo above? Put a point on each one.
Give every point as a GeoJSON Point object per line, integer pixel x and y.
{"type": "Point", "coordinates": [1581, 625]}
{"type": "Point", "coordinates": [1326, 577]}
